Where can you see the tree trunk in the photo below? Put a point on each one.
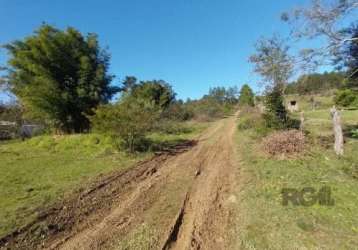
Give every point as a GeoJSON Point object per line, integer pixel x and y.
{"type": "Point", "coordinates": [338, 133]}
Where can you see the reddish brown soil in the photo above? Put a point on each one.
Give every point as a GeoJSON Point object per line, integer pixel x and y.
{"type": "Point", "coordinates": [199, 175]}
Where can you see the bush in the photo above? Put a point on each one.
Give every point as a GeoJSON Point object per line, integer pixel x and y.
{"type": "Point", "coordinates": [130, 120]}
{"type": "Point", "coordinates": [346, 98]}
{"type": "Point", "coordinates": [172, 127]}
{"type": "Point", "coordinates": [354, 133]}
{"type": "Point", "coordinates": [284, 142]}
{"type": "Point", "coordinates": [251, 118]}
{"type": "Point", "coordinates": [177, 111]}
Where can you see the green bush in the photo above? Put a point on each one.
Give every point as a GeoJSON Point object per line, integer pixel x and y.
{"type": "Point", "coordinates": [354, 133]}
{"type": "Point", "coordinates": [172, 127]}
{"type": "Point", "coordinates": [346, 98]}
{"type": "Point", "coordinates": [130, 120]}
{"type": "Point", "coordinates": [252, 119]}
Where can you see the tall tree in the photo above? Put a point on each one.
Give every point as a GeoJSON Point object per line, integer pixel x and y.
{"type": "Point", "coordinates": [157, 91]}
{"type": "Point", "coordinates": [246, 96]}
{"type": "Point", "coordinates": [275, 66]}
{"type": "Point", "coordinates": [272, 62]}
{"type": "Point", "coordinates": [60, 76]}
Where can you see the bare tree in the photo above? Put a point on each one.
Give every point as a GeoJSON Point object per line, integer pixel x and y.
{"type": "Point", "coordinates": [322, 19]}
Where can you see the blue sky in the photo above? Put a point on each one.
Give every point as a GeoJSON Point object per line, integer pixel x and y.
{"type": "Point", "coordinates": [192, 44]}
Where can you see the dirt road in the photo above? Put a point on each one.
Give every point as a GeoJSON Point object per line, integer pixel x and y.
{"type": "Point", "coordinates": [182, 196]}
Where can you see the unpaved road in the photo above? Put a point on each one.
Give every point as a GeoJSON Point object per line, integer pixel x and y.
{"type": "Point", "coordinates": [183, 196]}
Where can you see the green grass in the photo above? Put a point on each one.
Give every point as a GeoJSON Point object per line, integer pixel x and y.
{"type": "Point", "coordinates": [39, 171]}
{"type": "Point", "coordinates": [264, 223]}
{"type": "Point", "coordinates": [319, 122]}
{"type": "Point", "coordinates": [323, 101]}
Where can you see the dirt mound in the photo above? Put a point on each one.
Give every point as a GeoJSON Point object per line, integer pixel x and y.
{"type": "Point", "coordinates": [284, 143]}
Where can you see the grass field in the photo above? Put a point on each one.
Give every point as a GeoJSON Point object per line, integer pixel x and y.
{"type": "Point", "coordinates": [264, 223]}
{"type": "Point", "coordinates": [37, 172]}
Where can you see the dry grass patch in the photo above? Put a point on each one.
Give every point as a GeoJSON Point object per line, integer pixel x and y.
{"type": "Point", "coordinates": [290, 142]}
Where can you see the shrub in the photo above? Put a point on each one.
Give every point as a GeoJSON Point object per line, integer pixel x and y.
{"type": "Point", "coordinates": [346, 98]}
{"type": "Point", "coordinates": [172, 127]}
{"type": "Point", "coordinates": [131, 120]}
{"type": "Point", "coordinates": [354, 133]}
{"type": "Point", "coordinates": [284, 142]}
{"type": "Point", "coordinates": [251, 118]}
{"type": "Point", "coordinates": [249, 121]}
{"type": "Point", "coordinates": [177, 111]}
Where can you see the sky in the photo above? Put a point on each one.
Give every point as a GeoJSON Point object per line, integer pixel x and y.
{"type": "Point", "coordinates": [191, 44]}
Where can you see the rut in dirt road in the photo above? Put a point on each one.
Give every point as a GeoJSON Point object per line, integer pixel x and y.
{"type": "Point", "coordinates": [204, 218]}
{"type": "Point", "coordinates": [183, 197]}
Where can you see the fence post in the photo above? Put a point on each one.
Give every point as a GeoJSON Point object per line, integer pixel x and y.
{"type": "Point", "coordinates": [338, 133]}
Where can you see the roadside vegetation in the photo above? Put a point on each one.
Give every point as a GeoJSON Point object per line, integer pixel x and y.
{"type": "Point", "coordinates": [295, 189]}
{"type": "Point", "coordinates": [263, 221]}
{"type": "Point", "coordinates": [62, 85]}
{"type": "Point", "coordinates": [72, 123]}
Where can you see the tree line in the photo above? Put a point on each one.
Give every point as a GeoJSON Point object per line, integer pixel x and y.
{"type": "Point", "coordinates": [61, 80]}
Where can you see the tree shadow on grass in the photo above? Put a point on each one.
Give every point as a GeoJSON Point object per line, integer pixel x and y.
{"type": "Point", "coordinates": [174, 146]}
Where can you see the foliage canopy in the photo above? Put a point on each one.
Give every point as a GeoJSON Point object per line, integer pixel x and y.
{"type": "Point", "coordinates": [60, 76]}
{"type": "Point", "coordinates": [246, 96]}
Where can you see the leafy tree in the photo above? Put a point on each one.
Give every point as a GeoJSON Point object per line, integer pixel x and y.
{"type": "Point", "coordinates": [275, 66]}
{"type": "Point", "coordinates": [220, 101]}
{"type": "Point", "coordinates": [60, 76]}
{"type": "Point", "coordinates": [246, 96]}
{"type": "Point", "coordinates": [128, 84]}
{"type": "Point", "coordinates": [137, 113]}
{"type": "Point", "coordinates": [272, 62]}
{"type": "Point", "coordinates": [157, 91]}
{"type": "Point", "coordinates": [232, 94]}
{"type": "Point", "coordinates": [218, 94]}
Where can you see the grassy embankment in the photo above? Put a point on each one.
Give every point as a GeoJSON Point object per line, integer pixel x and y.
{"type": "Point", "coordinates": [39, 171]}
{"type": "Point", "coordinates": [264, 223]}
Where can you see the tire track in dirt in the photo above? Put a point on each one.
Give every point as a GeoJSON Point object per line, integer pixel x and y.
{"type": "Point", "coordinates": [204, 218]}
{"type": "Point", "coordinates": [114, 206]}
